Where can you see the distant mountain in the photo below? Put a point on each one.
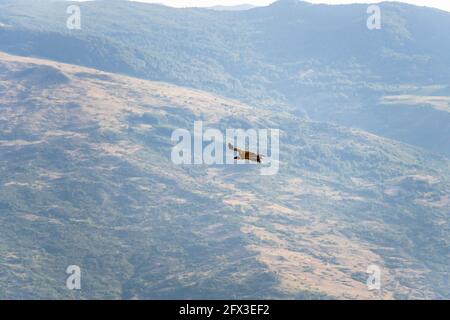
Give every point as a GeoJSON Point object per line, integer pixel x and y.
{"type": "Point", "coordinates": [318, 61]}
{"type": "Point", "coordinates": [86, 179]}
{"type": "Point", "coordinates": [233, 8]}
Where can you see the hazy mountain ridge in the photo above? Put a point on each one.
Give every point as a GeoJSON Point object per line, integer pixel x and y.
{"type": "Point", "coordinates": [233, 8]}
{"type": "Point", "coordinates": [87, 179]}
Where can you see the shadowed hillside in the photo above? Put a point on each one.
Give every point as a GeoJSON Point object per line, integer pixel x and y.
{"type": "Point", "coordinates": [320, 62]}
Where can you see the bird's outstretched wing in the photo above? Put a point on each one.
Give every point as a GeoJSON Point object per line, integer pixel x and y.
{"type": "Point", "coordinates": [242, 153]}
{"type": "Point", "coordinates": [245, 155]}
{"type": "Point", "coordinates": [231, 147]}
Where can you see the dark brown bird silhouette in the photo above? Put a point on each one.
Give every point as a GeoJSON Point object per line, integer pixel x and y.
{"type": "Point", "coordinates": [245, 154]}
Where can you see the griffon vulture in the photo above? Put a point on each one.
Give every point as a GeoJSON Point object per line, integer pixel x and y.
{"type": "Point", "coordinates": [245, 155]}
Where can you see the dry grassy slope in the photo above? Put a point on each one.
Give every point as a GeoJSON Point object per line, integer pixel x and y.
{"type": "Point", "coordinates": [305, 228]}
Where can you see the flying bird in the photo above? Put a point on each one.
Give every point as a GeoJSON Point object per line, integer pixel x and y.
{"type": "Point", "coordinates": [245, 155]}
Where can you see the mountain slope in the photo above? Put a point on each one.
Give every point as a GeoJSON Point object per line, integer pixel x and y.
{"type": "Point", "coordinates": [86, 179]}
